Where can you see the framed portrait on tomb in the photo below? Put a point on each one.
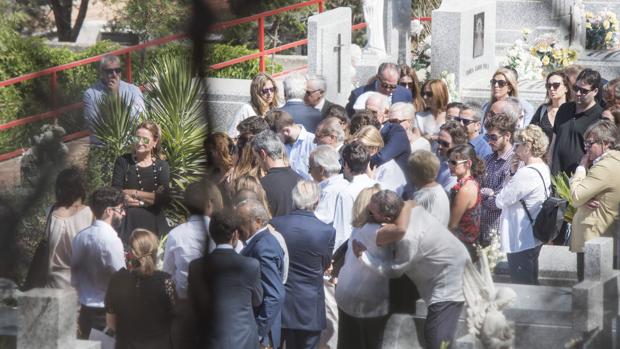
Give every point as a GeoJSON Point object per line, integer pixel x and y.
{"type": "Point", "coordinates": [478, 44]}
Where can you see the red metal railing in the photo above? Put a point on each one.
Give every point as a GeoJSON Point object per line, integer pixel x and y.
{"type": "Point", "coordinates": [259, 18]}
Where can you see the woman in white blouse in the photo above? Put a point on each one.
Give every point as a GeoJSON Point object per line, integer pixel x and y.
{"type": "Point", "coordinates": [527, 189]}
{"type": "Point", "coordinates": [263, 98]}
{"type": "Point", "coordinates": [362, 295]}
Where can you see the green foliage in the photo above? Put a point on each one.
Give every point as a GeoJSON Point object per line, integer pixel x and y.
{"type": "Point", "coordinates": [561, 185]}
{"type": "Point", "coordinates": [247, 70]}
{"type": "Point", "coordinates": [154, 18]}
{"type": "Point", "coordinates": [114, 124]}
{"type": "Point", "coordinates": [174, 103]}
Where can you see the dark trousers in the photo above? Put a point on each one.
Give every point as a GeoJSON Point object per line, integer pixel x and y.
{"type": "Point", "coordinates": [300, 339]}
{"type": "Point", "coordinates": [403, 295]}
{"type": "Point", "coordinates": [360, 333]}
{"type": "Point", "coordinates": [90, 318]}
{"type": "Point", "coordinates": [182, 330]}
{"type": "Point", "coordinates": [523, 266]}
{"type": "Point", "coordinates": [440, 325]}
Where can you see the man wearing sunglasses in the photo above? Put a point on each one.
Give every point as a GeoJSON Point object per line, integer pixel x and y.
{"type": "Point", "coordinates": [315, 94]}
{"type": "Point", "coordinates": [110, 83]}
{"type": "Point", "coordinates": [572, 120]}
{"type": "Point", "coordinates": [386, 84]}
{"type": "Point", "coordinates": [471, 121]}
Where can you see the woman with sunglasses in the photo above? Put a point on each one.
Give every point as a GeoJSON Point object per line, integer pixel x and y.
{"type": "Point", "coordinates": [435, 95]}
{"type": "Point", "coordinates": [263, 98]}
{"type": "Point", "coordinates": [409, 80]}
{"type": "Point", "coordinates": [558, 93]}
{"type": "Point", "coordinates": [465, 198]}
{"type": "Point", "coordinates": [503, 85]}
{"type": "Point", "coordinates": [144, 176]}
{"type": "Point", "coordinates": [525, 192]}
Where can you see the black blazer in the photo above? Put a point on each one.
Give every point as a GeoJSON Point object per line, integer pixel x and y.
{"type": "Point", "coordinates": [400, 94]}
{"type": "Point", "coordinates": [223, 288]}
{"type": "Point", "coordinates": [310, 243]}
{"type": "Point", "coordinates": [325, 108]}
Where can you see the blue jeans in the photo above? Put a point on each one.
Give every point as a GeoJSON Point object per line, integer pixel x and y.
{"type": "Point", "coordinates": [523, 266]}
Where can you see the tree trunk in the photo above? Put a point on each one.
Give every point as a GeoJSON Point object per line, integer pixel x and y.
{"type": "Point", "coordinates": [62, 15]}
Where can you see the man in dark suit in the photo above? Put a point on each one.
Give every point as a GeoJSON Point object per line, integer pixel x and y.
{"type": "Point", "coordinates": [294, 93]}
{"type": "Point", "coordinates": [223, 287]}
{"type": "Point", "coordinates": [263, 246]}
{"type": "Point", "coordinates": [315, 94]}
{"type": "Point", "coordinates": [386, 84]}
{"type": "Point", "coordinates": [310, 243]}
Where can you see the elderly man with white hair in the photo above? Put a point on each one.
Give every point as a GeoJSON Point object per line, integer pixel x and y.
{"type": "Point", "coordinates": [294, 94]}
{"type": "Point", "coordinates": [404, 114]}
{"type": "Point", "coordinates": [316, 87]}
{"type": "Point", "coordinates": [330, 132]}
{"type": "Point", "coordinates": [310, 243]}
{"type": "Point", "coordinates": [325, 170]}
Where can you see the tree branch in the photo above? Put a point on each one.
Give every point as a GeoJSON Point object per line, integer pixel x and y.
{"type": "Point", "coordinates": [75, 31]}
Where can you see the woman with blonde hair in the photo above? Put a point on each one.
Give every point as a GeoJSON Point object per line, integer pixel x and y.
{"type": "Point", "coordinates": [389, 174]}
{"type": "Point", "coordinates": [144, 176]}
{"type": "Point", "coordinates": [521, 200]}
{"type": "Point", "coordinates": [505, 84]}
{"type": "Point", "coordinates": [435, 96]}
{"type": "Point", "coordinates": [263, 98]}
{"type": "Point", "coordinates": [252, 184]}
{"type": "Point", "coordinates": [140, 299]}
{"type": "Point", "coordinates": [362, 295]}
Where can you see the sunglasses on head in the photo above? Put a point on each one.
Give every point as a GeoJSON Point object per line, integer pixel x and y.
{"type": "Point", "coordinates": [428, 94]}
{"type": "Point", "coordinates": [267, 90]}
{"type": "Point", "coordinates": [112, 70]}
{"type": "Point", "coordinates": [387, 86]}
{"type": "Point", "coordinates": [581, 90]}
{"type": "Point", "coordinates": [490, 137]}
{"type": "Point", "coordinates": [463, 121]}
{"type": "Point", "coordinates": [554, 85]}
{"type": "Point", "coordinates": [500, 83]}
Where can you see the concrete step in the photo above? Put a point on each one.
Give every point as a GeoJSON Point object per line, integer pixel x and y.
{"type": "Point", "coordinates": [606, 62]}
{"type": "Point", "coordinates": [599, 5]}
{"type": "Point", "coordinates": [517, 14]}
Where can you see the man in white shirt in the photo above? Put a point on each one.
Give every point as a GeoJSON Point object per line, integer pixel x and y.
{"type": "Point", "coordinates": [325, 170]}
{"type": "Point", "coordinates": [298, 142]}
{"type": "Point", "coordinates": [356, 158]}
{"type": "Point", "coordinates": [97, 254]}
{"type": "Point", "coordinates": [431, 256]}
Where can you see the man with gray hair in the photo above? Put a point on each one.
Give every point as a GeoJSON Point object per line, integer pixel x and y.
{"type": "Point", "coordinates": [310, 243]}
{"type": "Point", "coordinates": [110, 83]}
{"type": "Point", "coordinates": [330, 132]}
{"type": "Point", "coordinates": [280, 178]}
{"type": "Point", "coordinates": [386, 83]}
{"type": "Point", "coordinates": [325, 170]}
{"type": "Point", "coordinates": [263, 246]}
{"type": "Point", "coordinates": [315, 94]}
{"type": "Point", "coordinates": [294, 94]}
{"type": "Point", "coordinates": [512, 107]}
{"type": "Point", "coordinates": [471, 121]}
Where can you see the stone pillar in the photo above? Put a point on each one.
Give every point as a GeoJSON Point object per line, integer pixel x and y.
{"type": "Point", "coordinates": [396, 28]}
{"type": "Point", "coordinates": [463, 42]}
{"type": "Point", "coordinates": [329, 51]}
{"type": "Point", "coordinates": [47, 318]}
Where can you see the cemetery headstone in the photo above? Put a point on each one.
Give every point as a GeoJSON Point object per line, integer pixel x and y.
{"type": "Point", "coordinates": [329, 51]}
{"type": "Point", "coordinates": [396, 28]}
{"type": "Point", "coordinates": [463, 42]}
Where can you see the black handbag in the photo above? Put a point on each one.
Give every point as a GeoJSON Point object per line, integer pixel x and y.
{"type": "Point", "coordinates": [548, 223]}
{"type": "Point", "coordinates": [38, 271]}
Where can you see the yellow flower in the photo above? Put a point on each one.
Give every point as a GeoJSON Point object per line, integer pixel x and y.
{"type": "Point", "coordinates": [606, 24]}
{"type": "Point", "coordinates": [533, 51]}
{"type": "Point", "coordinates": [545, 60]}
{"type": "Point", "coordinates": [609, 36]}
{"type": "Point", "coordinates": [557, 54]}
{"type": "Point", "coordinates": [589, 15]}
{"type": "Point", "coordinates": [588, 25]}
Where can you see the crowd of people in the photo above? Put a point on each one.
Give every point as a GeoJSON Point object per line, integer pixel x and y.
{"type": "Point", "coordinates": [314, 221]}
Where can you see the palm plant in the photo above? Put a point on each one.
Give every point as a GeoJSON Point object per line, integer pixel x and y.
{"type": "Point", "coordinates": [174, 103]}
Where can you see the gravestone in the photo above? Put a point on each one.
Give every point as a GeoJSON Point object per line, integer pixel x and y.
{"type": "Point", "coordinates": [464, 41]}
{"type": "Point", "coordinates": [329, 51]}
{"type": "Point", "coordinates": [47, 318]}
{"type": "Point", "coordinates": [396, 28]}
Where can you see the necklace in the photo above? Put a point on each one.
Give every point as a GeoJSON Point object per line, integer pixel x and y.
{"type": "Point", "coordinates": [139, 178]}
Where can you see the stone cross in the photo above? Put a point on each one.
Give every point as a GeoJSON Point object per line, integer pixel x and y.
{"type": "Point", "coordinates": [329, 41]}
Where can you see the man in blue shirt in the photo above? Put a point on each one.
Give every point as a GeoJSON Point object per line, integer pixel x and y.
{"type": "Point", "coordinates": [110, 83]}
{"type": "Point", "coordinates": [471, 121]}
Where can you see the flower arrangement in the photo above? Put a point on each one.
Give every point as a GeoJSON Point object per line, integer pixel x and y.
{"type": "Point", "coordinates": [450, 80]}
{"type": "Point", "coordinates": [544, 56]}
{"type": "Point", "coordinates": [518, 57]}
{"type": "Point", "coordinates": [601, 30]}
{"type": "Point", "coordinates": [549, 53]}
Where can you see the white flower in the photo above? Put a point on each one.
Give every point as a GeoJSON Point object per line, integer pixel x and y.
{"type": "Point", "coordinates": [415, 27]}
{"type": "Point", "coordinates": [427, 52]}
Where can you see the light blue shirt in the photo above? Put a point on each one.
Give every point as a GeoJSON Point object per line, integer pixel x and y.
{"type": "Point", "coordinates": [93, 96]}
{"type": "Point", "coordinates": [97, 254]}
{"type": "Point", "coordinates": [299, 153]}
{"type": "Point", "coordinates": [481, 146]}
{"type": "Point", "coordinates": [330, 188]}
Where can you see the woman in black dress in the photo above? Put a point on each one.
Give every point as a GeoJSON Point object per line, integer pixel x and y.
{"type": "Point", "coordinates": [140, 300]}
{"type": "Point", "coordinates": [558, 92]}
{"type": "Point", "coordinates": [144, 178]}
